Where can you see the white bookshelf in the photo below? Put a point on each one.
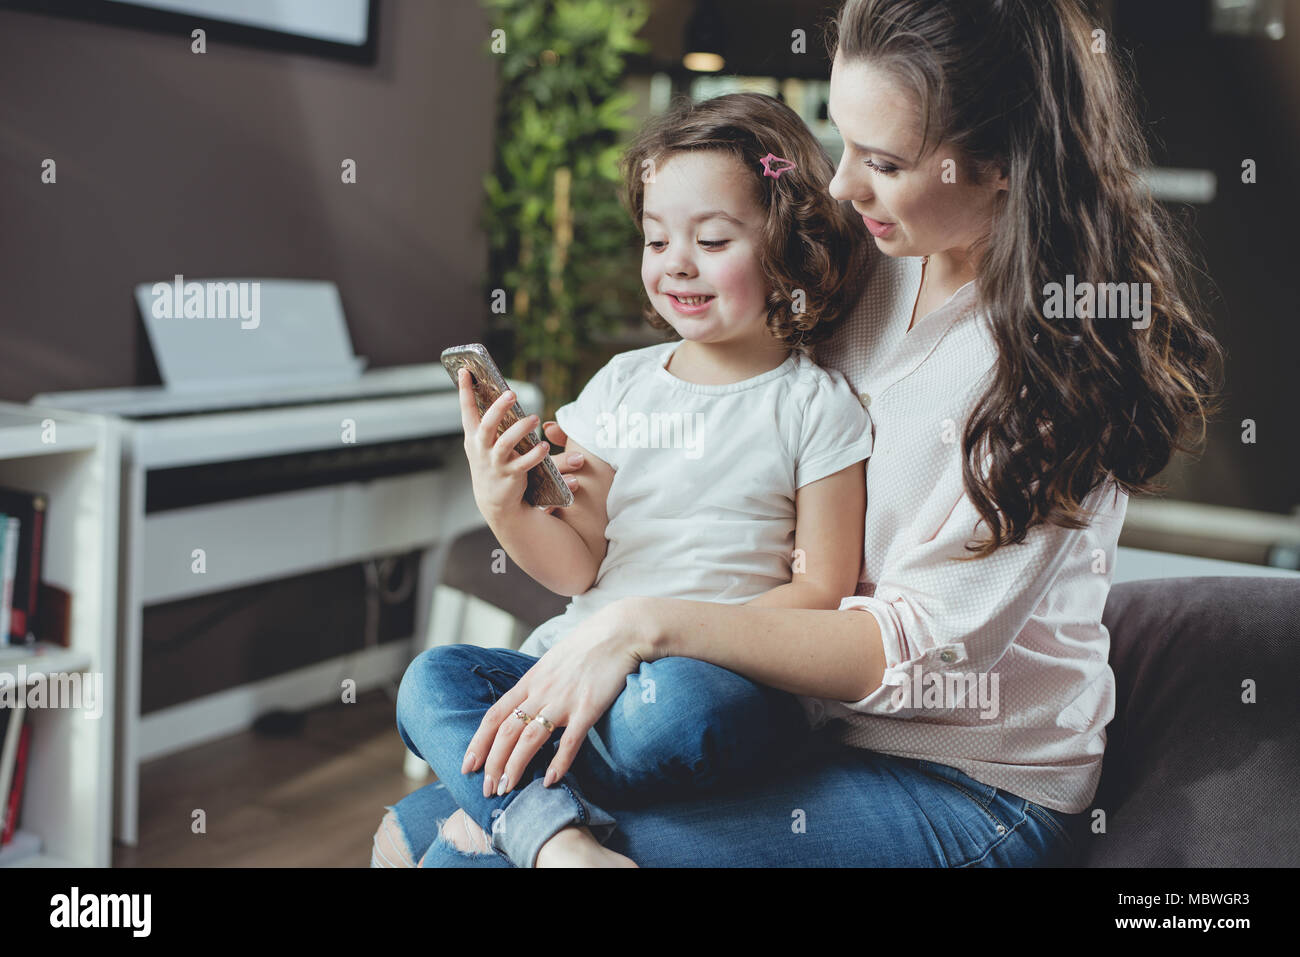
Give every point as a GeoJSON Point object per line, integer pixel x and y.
{"type": "Point", "coordinates": [68, 792]}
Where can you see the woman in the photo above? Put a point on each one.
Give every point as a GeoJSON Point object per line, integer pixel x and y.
{"type": "Point", "coordinates": [992, 150]}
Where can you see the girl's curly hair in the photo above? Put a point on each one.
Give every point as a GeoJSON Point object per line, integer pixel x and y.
{"type": "Point", "coordinates": [807, 237]}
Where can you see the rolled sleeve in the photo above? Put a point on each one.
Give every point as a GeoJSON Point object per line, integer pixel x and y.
{"type": "Point", "coordinates": [948, 616]}
{"type": "Point", "coordinates": [901, 658]}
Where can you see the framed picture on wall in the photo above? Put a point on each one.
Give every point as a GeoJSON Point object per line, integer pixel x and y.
{"type": "Point", "coordinates": [338, 28]}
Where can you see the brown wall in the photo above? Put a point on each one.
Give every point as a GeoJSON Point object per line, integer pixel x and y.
{"type": "Point", "coordinates": [227, 164]}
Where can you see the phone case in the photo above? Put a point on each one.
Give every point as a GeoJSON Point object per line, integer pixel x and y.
{"type": "Point", "coordinates": [546, 486]}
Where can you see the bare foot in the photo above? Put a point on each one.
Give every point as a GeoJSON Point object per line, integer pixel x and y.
{"type": "Point", "coordinates": [578, 847]}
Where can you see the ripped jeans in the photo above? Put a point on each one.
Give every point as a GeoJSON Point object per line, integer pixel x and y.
{"type": "Point", "coordinates": [680, 727]}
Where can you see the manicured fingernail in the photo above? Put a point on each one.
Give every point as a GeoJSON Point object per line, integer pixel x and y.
{"type": "Point", "coordinates": [488, 786]}
{"type": "Point", "coordinates": [572, 482]}
{"type": "Point", "coordinates": [467, 763]}
{"type": "Point", "coordinates": [501, 788]}
{"type": "Point", "coordinates": [575, 458]}
{"type": "Point", "coordinates": [549, 779]}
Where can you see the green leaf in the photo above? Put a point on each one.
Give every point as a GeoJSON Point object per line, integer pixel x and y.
{"type": "Point", "coordinates": [568, 112]}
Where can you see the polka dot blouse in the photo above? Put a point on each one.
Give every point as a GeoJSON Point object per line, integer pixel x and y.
{"type": "Point", "coordinates": [996, 666]}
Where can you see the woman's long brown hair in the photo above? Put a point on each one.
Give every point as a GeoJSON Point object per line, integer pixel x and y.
{"type": "Point", "coordinates": [1027, 87]}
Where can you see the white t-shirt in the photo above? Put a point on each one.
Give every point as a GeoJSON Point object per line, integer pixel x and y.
{"type": "Point", "coordinates": [702, 503]}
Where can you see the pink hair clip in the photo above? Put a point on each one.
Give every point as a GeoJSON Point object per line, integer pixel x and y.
{"type": "Point", "coordinates": [767, 162]}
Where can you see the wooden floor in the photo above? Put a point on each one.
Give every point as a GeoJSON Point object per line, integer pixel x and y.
{"type": "Point", "coordinates": [311, 799]}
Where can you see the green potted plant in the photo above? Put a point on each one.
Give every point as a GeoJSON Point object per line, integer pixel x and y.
{"type": "Point", "coordinates": [561, 246]}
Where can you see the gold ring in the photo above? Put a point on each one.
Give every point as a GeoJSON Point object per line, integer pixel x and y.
{"type": "Point", "coordinates": [522, 715]}
{"type": "Point", "coordinates": [545, 723]}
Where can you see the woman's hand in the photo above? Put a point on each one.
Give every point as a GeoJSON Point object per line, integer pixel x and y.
{"type": "Point", "coordinates": [572, 686]}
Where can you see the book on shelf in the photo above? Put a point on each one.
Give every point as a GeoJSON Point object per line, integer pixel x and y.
{"type": "Point", "coordinates": [8, 569]}
{"type": "Point", "coordinates": [14, 802]}
{"type": "Point", "coordinates": [30, 509]}
{"type": "Point", "coordinates": [55, 615]}
{"type": "Point", "coordinates": [12, 727]}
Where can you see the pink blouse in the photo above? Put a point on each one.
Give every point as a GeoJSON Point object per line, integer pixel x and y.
{"type": "Point", "coordinates": [995, 666]}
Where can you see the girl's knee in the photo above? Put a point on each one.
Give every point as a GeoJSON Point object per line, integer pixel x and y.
{"type": "Point", "coordinates": [439, 663]}
{"type": "Point", "coordinates": [679, 711]}
{"type": "Point", "coordinates": [390, 848]}
{"type": "Point", "coordinates": [430, 672]}
{"type": "Point", "coordinates": [685, 690]}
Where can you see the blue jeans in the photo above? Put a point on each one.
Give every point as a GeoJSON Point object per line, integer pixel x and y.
{"type": "Point", "coordinates": [822, 804]}
{"type": "Point", "coordinates": [679, 726]}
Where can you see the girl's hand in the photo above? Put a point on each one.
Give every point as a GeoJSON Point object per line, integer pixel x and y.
{"type": "Point", "coordinates": [566, 462]}
{"type": "Point", "coordinates": [572, 686]}
{"type": "Point", "coordinates": [498, 472]}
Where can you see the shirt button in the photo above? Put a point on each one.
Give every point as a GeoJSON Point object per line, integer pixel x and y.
{"type": "Point", "coordinates": [864, 399]}
{"type": "Point", "coordinates": [947, 656]}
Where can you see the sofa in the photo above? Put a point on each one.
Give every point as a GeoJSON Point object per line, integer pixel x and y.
{"type": "Point", "coordinates": [1195, 773]}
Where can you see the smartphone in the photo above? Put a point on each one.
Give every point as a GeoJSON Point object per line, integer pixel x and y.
{"type": "Point", "coordinates": [546, 486]}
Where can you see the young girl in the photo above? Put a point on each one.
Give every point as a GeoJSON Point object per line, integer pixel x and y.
{"type": "Point", "coordinates": [727, 467]}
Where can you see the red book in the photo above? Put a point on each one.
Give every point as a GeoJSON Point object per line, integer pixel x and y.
{"type": "Point", "coordinates": [15, 798]}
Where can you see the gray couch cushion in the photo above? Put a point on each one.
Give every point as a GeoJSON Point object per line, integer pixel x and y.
{"type": "Point", "coordinates": [469, 569]}
{"type": "Point", "coordinates": [1193, 776]}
